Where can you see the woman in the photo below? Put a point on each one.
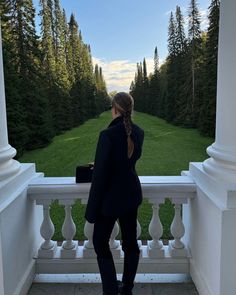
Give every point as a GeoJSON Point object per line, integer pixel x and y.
{"type": "Point", "coordinates": [116, 193]}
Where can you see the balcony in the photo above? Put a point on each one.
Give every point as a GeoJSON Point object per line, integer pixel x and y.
{"type": "Point", "coordinates": [203, 237]}
{"type": "Point", "coordinates": [73, 257]}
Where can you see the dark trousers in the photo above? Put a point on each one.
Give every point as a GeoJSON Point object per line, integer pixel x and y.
{"type": "Point", "coordinates": [101, 235]}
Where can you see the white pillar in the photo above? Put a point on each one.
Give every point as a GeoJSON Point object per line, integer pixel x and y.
{"type": "Point", "coordinates": [222, 163]}
{"type": "Point", "coordinates": [8, 166]}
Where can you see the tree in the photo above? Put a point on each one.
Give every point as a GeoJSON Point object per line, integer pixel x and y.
{"type": "Point", "coordinates": [146, 102]}
{"type": "Point", "coordinates": [47, 44]}
{"type": "Point", "coordinates": [208, 109]}
{"type": "Point", "coordinates": [180, 41]}
{"type": "Point", "coordinates": [194, 35]}
{"type": "Point", "coordinates": [171, 71]}
{"type": "Point", "coordinates": [38, 88]}
{"type": "Point", "coordinates": [172, 37]}
{"type": "Point", "coordinates": [180, 66]}
{"type": "Point", "coordinates": [62, 76]}
{"type": "Point", "coordinates": [154, 87]}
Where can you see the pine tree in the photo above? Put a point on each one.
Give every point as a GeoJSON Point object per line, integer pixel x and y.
{"type": "Point", "coordinates": [50, 15]}
{"type": "Point", "coordinates": [31, 83]}
{"type": "Point", "coordinates": [38, 87]}
{"type": "Point", "coordinates": [180, 65]}
{"type": "Point", "coordinates": [208, 109]}
{"type": "Point", "coordinates": [47, 44]}
{"type": "Point", "coordinates": [156, 62]}
{"type": "Point", "coordinates": [102, 98]}
{"type": "Point", "coordinates": [154, 87]}
{"type": "Point", "coordinates": [171, 71]}
{"type": "Point", "coordinates": [18, 131]}
{"type": "Point", "coordinates": [146, 105]}
{"type": "Point", "coordinates": [194, 35]}
{"type": "Point", "coordinates": [65, 42]}
{"type": "Point", "coordinates": [62, 76]}
{"type": "Point", "coordinates": [172, 36]}
{"type": "Point", "coordinates": [74, 49]}
{"type": "Point", "coordinates": [180, 42]}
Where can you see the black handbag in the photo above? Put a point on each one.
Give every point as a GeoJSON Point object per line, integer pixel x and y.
{"type": "Point", "coordinates": [84, 173]}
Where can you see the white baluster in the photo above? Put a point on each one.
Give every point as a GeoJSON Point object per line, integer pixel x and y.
{"type": "Point", "coordinates": [88, 248]}
{"type": "Point", "coordinates": [115, 244]}
{"type": "Point", "coordinates": [48, 247]}
{"type": "Point", "coordinates": [177, 247]}
{"type": "Point", "coordinates": [155, 247]}
{"type": "Point", "coordinates": [138, 235]}
{"type": "Point", "coordinates": [68, 229]}
{"type": "Point", "coordinates": [69, 247]}
{"type": "Point", "coordinates": [138, 229]}
{"type": "Point", "coordinates": [88, 232]}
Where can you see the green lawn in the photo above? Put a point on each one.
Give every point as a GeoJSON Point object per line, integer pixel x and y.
{"type": "Point", "coordinates": [167, 150]}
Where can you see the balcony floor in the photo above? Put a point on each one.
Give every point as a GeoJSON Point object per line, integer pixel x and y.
{"type": "Point", "coordinates": [147, 284]}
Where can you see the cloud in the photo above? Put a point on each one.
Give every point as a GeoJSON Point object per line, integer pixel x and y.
{"type": "Point", "coordinates": [119, 74]}
{"type": "Point", "coordinates": [168, 12]}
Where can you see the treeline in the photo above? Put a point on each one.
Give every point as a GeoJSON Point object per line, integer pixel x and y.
{"type": "Point", "coordinates": [51, 84]}
{"type": "Point", "coordinates": [183, 89]}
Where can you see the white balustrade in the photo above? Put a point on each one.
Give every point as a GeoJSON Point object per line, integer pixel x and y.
{"type": "Point", "coordinates": [156, 189]}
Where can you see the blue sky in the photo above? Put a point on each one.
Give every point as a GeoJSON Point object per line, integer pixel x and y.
{"type": "Point", "coordinates": [121, 33]}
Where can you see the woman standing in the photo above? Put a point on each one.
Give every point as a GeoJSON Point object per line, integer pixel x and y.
{"type": "Point", "coordinates": [116, 193]}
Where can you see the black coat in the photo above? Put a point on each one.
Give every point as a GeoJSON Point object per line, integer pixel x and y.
{"type": "Point", "coordinates": [115, 186]}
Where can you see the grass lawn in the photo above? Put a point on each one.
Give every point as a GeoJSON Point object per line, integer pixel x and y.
{"type": "Point", "coordinates": [167, 150]}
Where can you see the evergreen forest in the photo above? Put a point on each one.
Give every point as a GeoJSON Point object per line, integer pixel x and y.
{"type": "Point", "coordinates": [183, 89]}
{"type": "Point", "coordinates": [51, 83]}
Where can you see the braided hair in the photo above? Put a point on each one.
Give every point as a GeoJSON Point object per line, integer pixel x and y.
{"type": "Point", "coordinates": [124, 103]}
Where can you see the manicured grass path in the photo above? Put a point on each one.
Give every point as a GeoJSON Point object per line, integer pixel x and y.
{"type": "Point", "coordinates": [167, 150]}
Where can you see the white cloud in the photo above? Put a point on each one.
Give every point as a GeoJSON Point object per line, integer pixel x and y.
{"type": "Point", "coordinates": [168, 12]}
{"type": "Point", "coordinates": [119, 74]}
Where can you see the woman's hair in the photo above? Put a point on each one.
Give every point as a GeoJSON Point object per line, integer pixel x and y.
{"type": "Point", "coordinates": [124, 103]}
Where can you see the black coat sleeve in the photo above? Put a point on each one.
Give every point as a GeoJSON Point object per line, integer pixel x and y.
{"type": "Point", "coordinates": [99, 177]}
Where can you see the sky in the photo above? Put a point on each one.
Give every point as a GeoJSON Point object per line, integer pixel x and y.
{"type": "Point", "coordinates": [121, 33]}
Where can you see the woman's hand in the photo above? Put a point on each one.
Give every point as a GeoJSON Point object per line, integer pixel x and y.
{"type": "Point", "coordinates": [91, 165]}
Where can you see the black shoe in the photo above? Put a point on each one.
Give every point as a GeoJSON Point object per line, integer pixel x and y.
{"type": "Point", "coordinates": [108, 276]}
{"type": "Point", "coordinates": [125, 290]}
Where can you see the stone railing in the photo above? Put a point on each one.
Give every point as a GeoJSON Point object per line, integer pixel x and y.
{"type": "Point", "coordinates": [71, 257]}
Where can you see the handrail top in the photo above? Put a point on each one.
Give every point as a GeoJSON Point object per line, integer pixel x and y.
{"type": "Point", "coordinates": [144, 180]}
{"type": "Point", "coordinates": [154, 187]}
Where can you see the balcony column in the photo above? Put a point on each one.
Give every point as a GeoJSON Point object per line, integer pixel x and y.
{"type": "Point", "coordinates": [222, 164]}
{"type": "Point", "coordinates": [8, 166]}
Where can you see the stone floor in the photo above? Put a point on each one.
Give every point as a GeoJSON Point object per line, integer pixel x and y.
{"type": "Point", "coordinates": [148, 284]}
